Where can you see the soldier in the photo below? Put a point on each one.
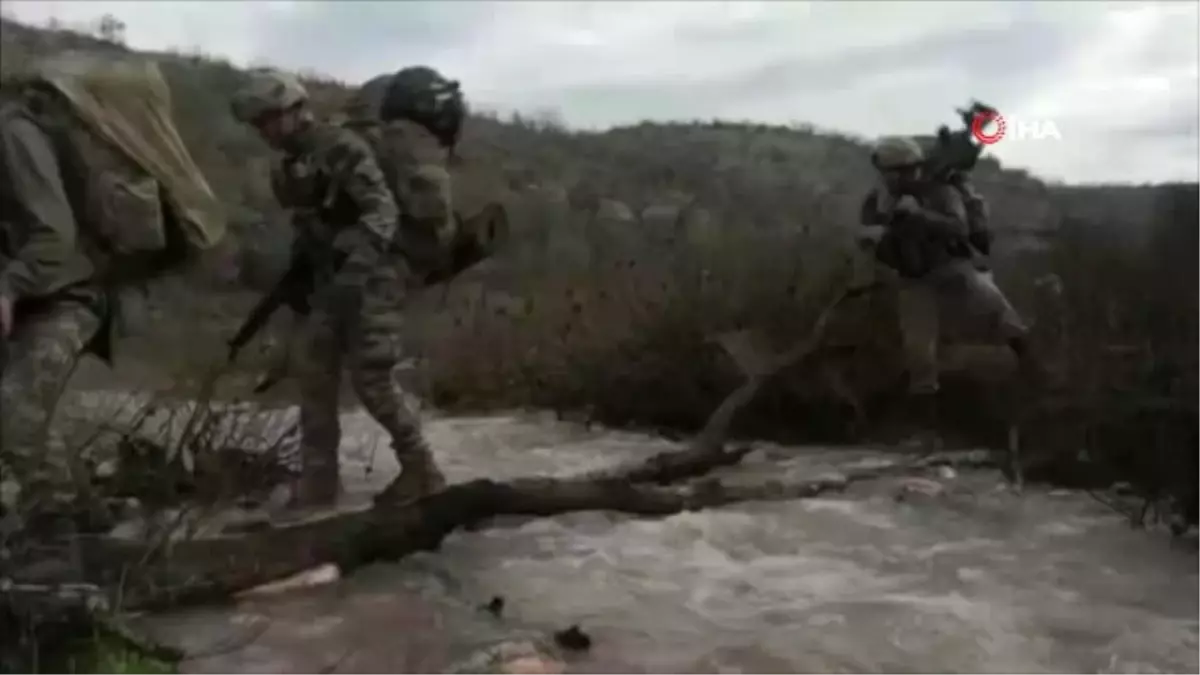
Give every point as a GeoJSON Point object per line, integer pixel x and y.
{"type": "Point", "coordinates": [98, 193]}
{"type": "Point", "coordinates": [922, 230]}
{"type": "Point", "coordinates": [347, 223]}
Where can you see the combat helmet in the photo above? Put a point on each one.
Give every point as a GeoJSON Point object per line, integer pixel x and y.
{"type": "Point", "coordinates": [896, 152]}
{"type": "Point", "coordinates": [425, 96]}
{"type": "Point", "coordinates": [268, 91]}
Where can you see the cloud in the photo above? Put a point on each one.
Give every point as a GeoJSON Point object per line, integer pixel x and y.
{"type": "Point", "coordinates": [1117, 79]}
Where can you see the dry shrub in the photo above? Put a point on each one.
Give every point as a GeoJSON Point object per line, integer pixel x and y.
{"type": "Point", "coordinates": [629, 335]}
{"type": "Point", "coordinates": [1126, 323]}
{"type": "Point", "coordinates": [163, 467]}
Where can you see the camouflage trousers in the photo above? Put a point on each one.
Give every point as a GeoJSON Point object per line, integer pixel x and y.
{"type": "Point", "coordinates": [41, 356]}
{"type": "Point", "coordinates": [358, 329]}
{"type": "Point", "coordinates": [958, 290]}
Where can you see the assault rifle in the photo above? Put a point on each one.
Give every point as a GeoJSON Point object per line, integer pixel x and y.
{"type": "Point", "coordinates": [292, 289]}
{"type": "Point", "coordinates": [476, 239]}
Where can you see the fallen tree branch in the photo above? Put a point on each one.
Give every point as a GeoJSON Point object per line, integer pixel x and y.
{"type": "Point", "coordinates": [215, 568]}
{"type": "Point", "coordinates": [706, 450]}
{"type": "Point", "coordinates": [201, 570]}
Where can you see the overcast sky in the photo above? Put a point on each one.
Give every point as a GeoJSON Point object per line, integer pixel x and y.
{"type": "Point", "coordinates": [1118, 81]}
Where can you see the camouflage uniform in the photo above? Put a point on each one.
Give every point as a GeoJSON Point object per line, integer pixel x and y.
{"type": "Point", "coordinates": [58, 305]}
{"type": "Point", "coordinates": [67, 241]}
{"type": "Point", "coordinates": [921, 232]}
{"type": "Point", "coordinates": [346, 220]}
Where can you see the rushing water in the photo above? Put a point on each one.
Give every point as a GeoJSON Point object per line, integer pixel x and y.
{"type": "Point", "coordinates": [962, 576]}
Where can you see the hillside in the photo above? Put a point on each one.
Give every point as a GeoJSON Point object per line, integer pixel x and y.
{"type": "Point", "coordinates": [635, 245]}
{"type": "Point", "coordinates": [760, 177]}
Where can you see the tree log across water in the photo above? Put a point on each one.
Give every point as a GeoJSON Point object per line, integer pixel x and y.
{"type": "Point", "coordinates": [136, 576]}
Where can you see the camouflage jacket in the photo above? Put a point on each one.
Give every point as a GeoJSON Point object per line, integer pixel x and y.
{"type": "Point", "coordinates": [344, 214]}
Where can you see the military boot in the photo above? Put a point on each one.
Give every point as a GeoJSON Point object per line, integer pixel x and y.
{"type": "Point", "coordinates": [419, 473]}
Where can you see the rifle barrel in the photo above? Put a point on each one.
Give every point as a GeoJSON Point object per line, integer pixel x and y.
{"type": "Point", "coordinates": [293, 281]}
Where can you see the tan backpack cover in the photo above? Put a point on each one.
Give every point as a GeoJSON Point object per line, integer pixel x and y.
{"type": "Point", "coordinates": [127, 102]}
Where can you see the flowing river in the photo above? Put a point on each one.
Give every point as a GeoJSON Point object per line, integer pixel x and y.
{"type": "Point", "coordinates": [951, 573]}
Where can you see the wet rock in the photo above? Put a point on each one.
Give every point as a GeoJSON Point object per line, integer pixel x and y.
{"type": "Point", "coordinates": [573, 639]}
{"type": "Point", "coordinates": [495, 606]}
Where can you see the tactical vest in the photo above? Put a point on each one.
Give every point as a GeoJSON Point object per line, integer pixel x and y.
{"type": "Point", "coordinates": [320, 210]}
{"type": "Point", "coordinates": [913, 253]}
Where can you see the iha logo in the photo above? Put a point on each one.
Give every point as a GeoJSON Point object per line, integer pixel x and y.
{"type": "Point", "coordinates": [991, 127]}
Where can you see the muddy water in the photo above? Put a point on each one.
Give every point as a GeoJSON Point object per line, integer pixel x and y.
{"type": "Point", "coordinates": [972, 578]}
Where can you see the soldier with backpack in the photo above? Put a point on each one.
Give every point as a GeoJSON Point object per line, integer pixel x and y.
{"type": "Point", "coordinates": [372, 214]}
{"type": "Point", "coordinates": [929, 232]}
{"type": "Point", "coordinates": [98, 192]}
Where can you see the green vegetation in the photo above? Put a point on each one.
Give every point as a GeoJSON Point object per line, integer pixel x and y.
{"type": "Point", "coordinates": [104, 657]}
